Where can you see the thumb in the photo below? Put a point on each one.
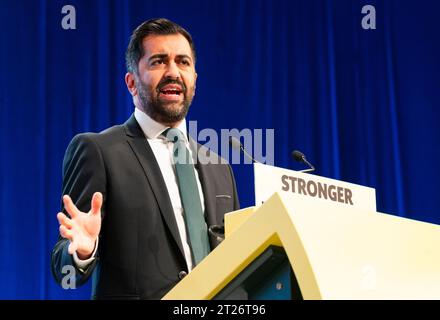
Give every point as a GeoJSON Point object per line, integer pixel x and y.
{"type": "Point", "coordinates": [96, 203]}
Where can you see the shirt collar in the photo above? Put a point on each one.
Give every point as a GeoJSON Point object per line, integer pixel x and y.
{"type": "Point", "coordinates": [153, 129]}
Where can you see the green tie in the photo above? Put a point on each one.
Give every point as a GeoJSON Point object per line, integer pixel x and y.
{"type": "Point", "coordinates": [189, 195]}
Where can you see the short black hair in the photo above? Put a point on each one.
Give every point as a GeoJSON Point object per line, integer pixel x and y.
{"type": "Point", "coordinates": [157, 26]}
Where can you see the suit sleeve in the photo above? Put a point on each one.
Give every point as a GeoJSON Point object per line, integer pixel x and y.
{"type": "Point", "coordinates": [83, 175]}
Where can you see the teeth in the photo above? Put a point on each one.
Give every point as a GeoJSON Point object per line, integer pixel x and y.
{"type": "Point", "coordinates": [171, 92]}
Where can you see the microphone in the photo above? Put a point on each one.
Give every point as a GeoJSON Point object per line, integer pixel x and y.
{"type": "Point", "coordinates": [300, 157]}
{"type": "Point", "coordinates": [236, 144]}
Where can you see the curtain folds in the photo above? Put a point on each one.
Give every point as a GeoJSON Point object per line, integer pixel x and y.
{"type": "Point", "coordinates": [363, 105]}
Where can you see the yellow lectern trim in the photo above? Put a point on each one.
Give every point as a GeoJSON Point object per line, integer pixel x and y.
{"type": "Point", "coordinates": [270, 224]}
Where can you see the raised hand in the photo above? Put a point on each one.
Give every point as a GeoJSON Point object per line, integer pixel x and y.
{"type": "Point", "coordinates": [82, 229]}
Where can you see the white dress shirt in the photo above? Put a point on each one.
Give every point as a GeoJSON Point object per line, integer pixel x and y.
{"type": "Point", "coordinates": [163, 152]}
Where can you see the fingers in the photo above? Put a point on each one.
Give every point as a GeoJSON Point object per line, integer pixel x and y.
{"type": "Point", "coordinates": [64, 220]}
{"type": "Point", "coordinates": [70, 206]}
{"type": "Point", "coordinates": [66, 233]}
{"type": "Point", "coordinates": [72, 247]}
{"type": "Point", "coordinates": [96, 203]}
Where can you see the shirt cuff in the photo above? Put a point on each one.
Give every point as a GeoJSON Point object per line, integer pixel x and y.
{"type": "Point", "coordinates": [83, 264]}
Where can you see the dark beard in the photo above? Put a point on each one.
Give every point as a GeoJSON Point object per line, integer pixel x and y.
{"type": "Point", "coordinates": [165, 113]}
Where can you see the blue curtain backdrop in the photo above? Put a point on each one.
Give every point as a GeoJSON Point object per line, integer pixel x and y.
{"type": "Point", "coordinates": [363, 105]}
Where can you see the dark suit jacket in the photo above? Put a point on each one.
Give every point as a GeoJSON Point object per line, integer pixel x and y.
{"type": "Point", "coordinates": [140, 254]}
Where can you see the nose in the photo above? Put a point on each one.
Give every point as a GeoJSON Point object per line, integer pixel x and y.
{"type": "Point", "coordinates": [172, 71]}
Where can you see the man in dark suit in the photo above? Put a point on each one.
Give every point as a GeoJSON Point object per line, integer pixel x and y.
{"type": "Point", "coordinates": [135, 216]}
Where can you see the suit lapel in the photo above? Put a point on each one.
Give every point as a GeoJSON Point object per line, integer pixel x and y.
{"type": "Point", "coordinates": [147, 160]}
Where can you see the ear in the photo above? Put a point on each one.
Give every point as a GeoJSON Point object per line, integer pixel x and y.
{"type": "Point", "coordinates": [195, 83]}
{"type": "Point", "coordinates": [131, 83]}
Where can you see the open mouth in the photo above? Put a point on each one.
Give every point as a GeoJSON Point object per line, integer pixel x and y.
{"type": "Point", "coordinates": [171, 92]}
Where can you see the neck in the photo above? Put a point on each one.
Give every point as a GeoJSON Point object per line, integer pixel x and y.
{"type": "Point", "coordinates": [158, 119]}
{"type": "Point", "coordinates": [173, 124]}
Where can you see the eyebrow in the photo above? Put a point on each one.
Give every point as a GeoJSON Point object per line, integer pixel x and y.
{"type": "Point", "coordinates": [164, 55]}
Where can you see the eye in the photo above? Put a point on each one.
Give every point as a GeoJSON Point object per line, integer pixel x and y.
{"type": "Point", "coordinates": [185, 62]}
{"type": "Point", "coordinates": [157, 62]}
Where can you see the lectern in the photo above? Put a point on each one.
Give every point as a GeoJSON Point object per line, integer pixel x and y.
{"type": "Point", "coordinates": [310, 237]}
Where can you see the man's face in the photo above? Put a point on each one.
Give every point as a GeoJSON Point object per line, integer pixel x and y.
{"type": "Point", "coordinates": [165, 84]}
